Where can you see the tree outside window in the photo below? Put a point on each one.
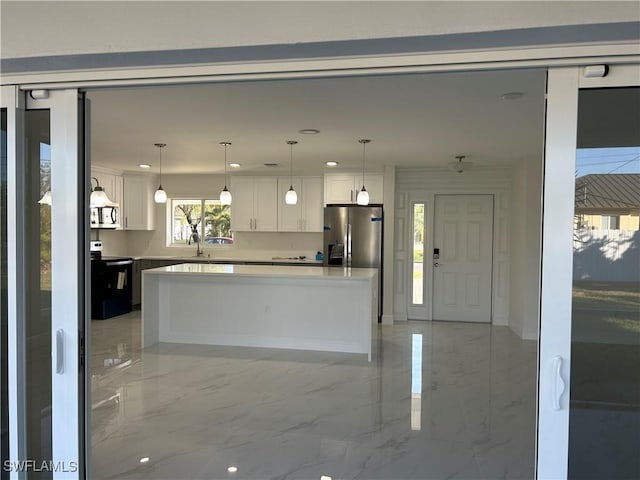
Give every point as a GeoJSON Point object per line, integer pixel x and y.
{"type": "Point", "coordinates": [188, 222]}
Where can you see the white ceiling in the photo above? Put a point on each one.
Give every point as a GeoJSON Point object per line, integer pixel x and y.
{"type": "Point", "coordinates": [413, 120]}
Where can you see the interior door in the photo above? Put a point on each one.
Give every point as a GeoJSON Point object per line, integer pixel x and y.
{"type": "Point", "coordinates": [463, 243]}
{"type": "Point", "coordinates": [589, 372]}
{"type": "Point", "coordinates": [46, 191]}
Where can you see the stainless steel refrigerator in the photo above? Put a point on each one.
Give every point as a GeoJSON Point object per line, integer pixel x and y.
{"type": "Point", "coordinates": [353, 238]}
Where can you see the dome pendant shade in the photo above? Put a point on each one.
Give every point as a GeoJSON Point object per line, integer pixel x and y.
{"type": "Point", "coordinates": [99, 198]}
{"type": "Point", "coordinates": [363, 197]}
{"type": "Point", "coordinates": [46, 198]}
{"type": "Point", "coordinates": [291, 197]}
{"type": "Point", "coordinates": [225, 196]}
{"type": "Point", "coordinates": [160, 196]}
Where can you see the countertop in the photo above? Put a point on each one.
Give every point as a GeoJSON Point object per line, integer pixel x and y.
{"type": "Point", "coordinates": [220, 259]}
{"type": "Point", "coordinates": [265, 271]}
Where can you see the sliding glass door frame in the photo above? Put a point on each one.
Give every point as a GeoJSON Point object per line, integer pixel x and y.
{"type": "Point", "coordinates": [557, 259]}
{"type": "Point", "coordinates": [69, 262]}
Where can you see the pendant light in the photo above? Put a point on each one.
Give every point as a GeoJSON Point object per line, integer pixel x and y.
{"type": "Point", "coordinates": [225, 194]}
{"type": "Point", "coordinates": [98, 196]}
{"type": "Point", "coordinates": [160, 196]}
{"type": "Point", "coordinates": [291, 197]}
{"type": "Point", "coordinates": [363, 195]}
{"type": "Point", "coordinates": [46, 198]}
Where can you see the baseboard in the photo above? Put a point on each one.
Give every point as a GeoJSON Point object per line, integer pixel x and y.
{"type": "Point", "coordinates": [387, 319]}
{"type": "Point", "coordinates": [399, 317]}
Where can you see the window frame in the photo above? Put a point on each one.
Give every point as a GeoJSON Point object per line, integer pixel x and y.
{"type": "Point", "coordinates": [169, 242]}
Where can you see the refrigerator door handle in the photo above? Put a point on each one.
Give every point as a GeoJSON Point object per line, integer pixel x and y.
{"type": "Point", "coordinates": [348, 256]}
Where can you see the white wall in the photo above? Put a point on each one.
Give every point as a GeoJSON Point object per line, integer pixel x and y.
{"type": "Point", "coordinates": [525, 239]}
{"type": "Point", "coordinates": [61, 28]}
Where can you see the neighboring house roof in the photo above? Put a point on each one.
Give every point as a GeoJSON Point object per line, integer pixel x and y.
{"type": "Point", "coordinates": [608, 194]}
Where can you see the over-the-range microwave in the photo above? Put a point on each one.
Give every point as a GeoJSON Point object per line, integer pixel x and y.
{"type": "Point", "coordinates": [105, 217]}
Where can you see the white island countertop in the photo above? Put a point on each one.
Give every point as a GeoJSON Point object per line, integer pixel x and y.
{"type": "Point", "coordinates": [267, 306]}
{"type": "Point", "coordinates": [265, 271]}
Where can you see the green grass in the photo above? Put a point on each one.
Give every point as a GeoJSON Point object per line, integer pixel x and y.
{"type": "Point", "coordinates": [604, 295]}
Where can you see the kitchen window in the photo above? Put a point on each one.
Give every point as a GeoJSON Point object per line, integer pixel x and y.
{"type": "Point", "coordinates": [188, 219]}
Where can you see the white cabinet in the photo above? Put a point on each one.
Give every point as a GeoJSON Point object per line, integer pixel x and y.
{"type": "Point", "coordinates": [307, 214]}
{"type": "Point", "coordinates": [138, 209]}
{"type": "Point", "coordinates": [344, 188]}
{"type": "Point", "coordinates": [255, 204]}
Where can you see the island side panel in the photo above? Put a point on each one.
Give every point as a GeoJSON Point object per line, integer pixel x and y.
{"type": "Point", "coordinates": [307, 314]}
{"type": "Point", "coordinates": [150, 309]}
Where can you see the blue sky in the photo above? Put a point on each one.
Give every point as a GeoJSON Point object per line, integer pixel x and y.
{"type": "Point", "coordinates": [607, 160]}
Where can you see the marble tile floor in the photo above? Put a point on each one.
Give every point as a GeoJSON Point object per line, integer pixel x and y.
{"type": "Point", "coordinates": [438, 401]}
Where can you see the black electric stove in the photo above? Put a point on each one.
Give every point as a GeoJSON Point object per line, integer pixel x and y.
{"type": "Point", "coordinates": [111, 281]}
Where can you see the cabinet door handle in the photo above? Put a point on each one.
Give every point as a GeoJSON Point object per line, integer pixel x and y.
{"type": "Point", "coordinates": [255, 223]}
{"type": "Point", "coordinates": [351, 195]}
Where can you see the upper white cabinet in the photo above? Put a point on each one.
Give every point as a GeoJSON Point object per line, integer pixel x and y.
{"type": "Point", "coordinates": [307, 214]}
{"type": "Point", "coordinates": [344, 188]}
{"type": "Point", "coordinates": [138, 209]}
{"type": "Point", "coordinates": [255, 204]}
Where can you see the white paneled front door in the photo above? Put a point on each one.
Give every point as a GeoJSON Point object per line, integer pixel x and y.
{"type": "Point", "coordinates": [463, 243]}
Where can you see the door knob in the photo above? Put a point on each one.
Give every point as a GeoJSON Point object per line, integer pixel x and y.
{"type": "Point", "coordinates": [436, 264]}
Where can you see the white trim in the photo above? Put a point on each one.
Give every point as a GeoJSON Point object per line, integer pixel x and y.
{"type": "Point", "coordinates": [387, 319]}
{"type": "Point", "coordinates": [11, 99]}
{"type": "Point", "coordinates": [66, 296]}
{"type": "Point", "coordinates": [380, 64]}
{"type": "Point", "coordinates": [552, 443]}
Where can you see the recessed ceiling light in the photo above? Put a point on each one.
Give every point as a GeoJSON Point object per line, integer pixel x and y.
{"type": "Point", "coordinates": [144, 165]}
{"type": "Point", "coordinates": [512, 95]}
{"type": "Point", "coordinates": [144, 459]}
{"type": "Point", "coordinates": [232, 469]}
{"type": "Point", "coordinates": [309, 131]}
{"type": "Point", "coordinates": [270, 165]}
{"type": "Point", "coordinates": [234, 165]}
{"type": "Point", "coordinates": [331, 163]}
{"type": "Point", "coordinates": [325, 477]}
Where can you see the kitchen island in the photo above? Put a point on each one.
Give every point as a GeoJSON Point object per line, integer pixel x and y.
{"type": "Point", "coordinates": [305, 308]}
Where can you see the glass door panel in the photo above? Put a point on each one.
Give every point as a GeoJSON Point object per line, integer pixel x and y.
{"type": "Point", "coordinates": [53, 260]}
{"type": "Point", "coordinates": [417, 287]}
{"type": "Point", "coordinates": [38, 271]}
{"type": "Point", "coordinates": [604, 416]}
{"type": "Point", "coordinates": [418, 300]}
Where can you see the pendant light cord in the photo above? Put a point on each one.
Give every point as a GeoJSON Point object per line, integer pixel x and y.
{"type": "Point", "coordinates": [225, 164]}
{"type": "Point", "coordinates": [291, 143]}
{"type": "Point", "coordinates": [160, 147]}
{"type": "Point", "coordinates": [364, 146]}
